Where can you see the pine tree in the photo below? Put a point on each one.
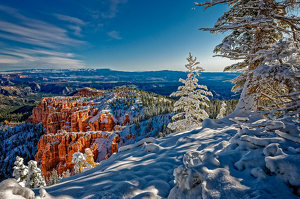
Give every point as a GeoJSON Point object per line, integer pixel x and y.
{"type": "Point", "coordinates": [20, 171]}
{"type": "Point", "coordinates": [193, 98]}
{"type": "Point", "coordinates": [34, 178]}
{"type": "Point", "coordinates": [222, 112]}
{"type": "Point", "coordinates": [254, 25]}
{"type": "Point", "coordinates": [54, 178]}
{"type": "Point", "coordinates": [278, 79]}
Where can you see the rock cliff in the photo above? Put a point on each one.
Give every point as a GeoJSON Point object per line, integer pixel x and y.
{"type": "Point", "coordinates": [71, 115]}
{"type": "Point", "coordinates": [56, 150]}
{"type": "Point", "coordinates": [72, 124]}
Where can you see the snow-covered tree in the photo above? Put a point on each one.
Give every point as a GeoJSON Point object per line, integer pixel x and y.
{"type": "Point", "coordinates": [66, 173]}
{"type": "Point", "coordinates": [222, 112]}
{"type": "Point", "coordinates": [278, 79]}
{"type": "Point", "coordinates": [79, 160]}
{"type": "Point", "coordinates": [34, 178]}
{"type": "Point", "coordinates": [20, 171]}
{"type": "Point", "coordinates": [83, 162]}
{"type": "Point", "coordinates": [193, 98]}
{"type": "Point", "coordinates": [54, 178]}
{"type": "Point", "coordinates": [254, 25]}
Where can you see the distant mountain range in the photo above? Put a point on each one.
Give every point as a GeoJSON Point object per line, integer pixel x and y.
{"type": "Point", "coordinates": [64, 81]}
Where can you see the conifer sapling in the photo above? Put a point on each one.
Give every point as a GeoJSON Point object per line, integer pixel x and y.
{"type": "Point", "coordinates": [222, 112]}
{"type": "Point", "coordinates": [193, 99]}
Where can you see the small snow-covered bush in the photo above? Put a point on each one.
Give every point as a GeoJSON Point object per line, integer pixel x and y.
{"type": "Point", "coordinates": [151, 147]}
{"type": "Point", "coordinates": [54, 178]}
{"type": "Point", "coordinates": [83, 162]}
{"type": "Point", "coordinates": [79, 160]}
{"type": "Point", "coordinates": [20, 171]}
{"type": "Point", "coordinates": [34, 178]}
{"type": "Point", "coordinates": [222, 112]}
{"type": "Point", "coordinates": [187, 178]}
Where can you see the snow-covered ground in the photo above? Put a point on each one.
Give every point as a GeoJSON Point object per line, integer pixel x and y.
{"type": "Point", "coordinates": [227, 158]}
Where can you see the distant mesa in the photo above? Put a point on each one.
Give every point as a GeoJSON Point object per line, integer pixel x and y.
{"type": "Point", "coordinates": [13, 76]}
{"type": "Point", "coordinates": [88, 92]}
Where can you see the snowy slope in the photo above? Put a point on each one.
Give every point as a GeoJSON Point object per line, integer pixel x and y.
{"type": "Point", "coordinates": [237, 157]}
{"type": "Point", "coordinates": [225, 159]}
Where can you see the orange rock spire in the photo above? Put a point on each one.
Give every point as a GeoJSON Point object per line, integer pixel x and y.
{"type": "Point", "coordinates": [71, 125]}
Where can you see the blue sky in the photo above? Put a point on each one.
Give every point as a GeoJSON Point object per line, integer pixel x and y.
{"type": "Point", "coordinates": [131, 35]}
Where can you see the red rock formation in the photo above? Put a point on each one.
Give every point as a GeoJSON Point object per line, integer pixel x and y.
{"type": "Point", "coordinates": [57, 113]}
{"type": "Point", "coordinates": [88, 92]}
{"type": "Point", "coordinates": [56, 150]}
{"type": "Point", "coordinates": [114, 143]}
{"type": "Point", "coordinates": [72, 125]}
{"type": "Point", "coordinates": [127, 120]}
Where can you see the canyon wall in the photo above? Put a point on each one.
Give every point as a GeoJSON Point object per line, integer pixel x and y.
{"type": "Point", "coordinates": [71, 115]}
{"type": "Point", "coordinates": [72, 124]}
{"type": "Point", "coordinates": [56, 150]}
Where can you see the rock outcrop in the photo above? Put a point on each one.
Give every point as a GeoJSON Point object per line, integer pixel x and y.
{"type": "Point", "coordinates": [72, 124]}
{"type": "Point", "coordinates": [56, 150]}
{"type": "Point", "coordinates": [88, 92]}
{"type": "Point", "coordinates": [71, 115]}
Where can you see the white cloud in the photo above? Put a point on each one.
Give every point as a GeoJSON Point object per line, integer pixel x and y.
{"type": "Point", "coordinates": [48, 42]}
{"type": "Point", "coordinates": [8, 59]}
{"type": "Point", "coordinates": [113, 8]}
{"type": "Point", "coordinates": [115, 35]}
{"type": "Point", "coordinates": [70, 19]}
{"type": "Point", "coordinates": [38, 57]}
{"type": "Point", "coordinates": [76, 24]}
{"type": "Point", "coordinates": [37, 34]}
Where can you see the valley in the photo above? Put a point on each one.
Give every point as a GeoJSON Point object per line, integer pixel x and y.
{"type": "Point", "coordinates": [20, 91]}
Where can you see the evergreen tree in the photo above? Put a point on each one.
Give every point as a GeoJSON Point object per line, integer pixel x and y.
{"type": "Point", "coordinates": [278, 79]}
{"type": "Point", "coordinates": [34, 178]}
{"type": "Point", "coordinates": [254, 25]}
{"type": "Point", "coordinates": [193, 98]}
{"type": "Point", "coordinates": [20, 171]}
{"type": "Point", "coordinates": [54, 178]}
{"type": "Point", "coordinates": [222, 112]}
{"type": "Point", "coordinates": [79, 160]}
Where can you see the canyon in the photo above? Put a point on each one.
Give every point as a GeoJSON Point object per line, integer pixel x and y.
{"type": "Point", "coordinates": [97, 119]}
{"type": "Point", "coordinates": [56, 150]}
{"type": "Point", "coordinates": [73, 124]}
{"type": "Point", "coordinates": [102, 120]}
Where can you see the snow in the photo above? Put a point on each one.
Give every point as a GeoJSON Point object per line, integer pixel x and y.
{"type": "Point", "coordinates": [286, 167]}
{"type": "Point", "coordinates": [232, 157]}
{"type": "Point", "coordinates": [10, 189]}
{"type": "Point", "coordinates": [287, 136]}
{"type": "Point", "coordinates": [224, 159]}
{"type": "Point", "coordinates": [139, 143]}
